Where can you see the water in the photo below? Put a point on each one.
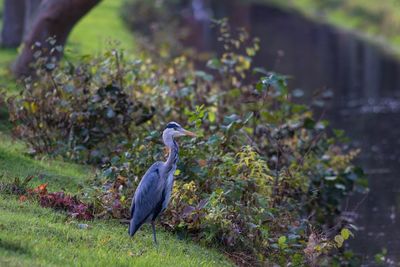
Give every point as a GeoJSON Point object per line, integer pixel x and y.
{"type": "Point", "coordinates": [366, 102]}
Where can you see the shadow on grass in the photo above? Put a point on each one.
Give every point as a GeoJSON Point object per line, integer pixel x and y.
{"type": "Point", "coordinates": [13, 247]}
{"type": "Point", "coordinates": [5, 125]}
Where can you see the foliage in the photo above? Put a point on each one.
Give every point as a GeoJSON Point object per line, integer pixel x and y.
{"type": "Point", "coordinates": [33, 236]}
{"type": "Point", "coordinates": [18, 186]}
{"type": "Point", "coordinates": [80, 111]}
{"type": "Point", "coordinates": [56, 200]}
{"type": "Point", "coordinates": [265, 179]}
{"type": "Point", "coordinates": [157, 24]}
{"type": "Point", "coordinates": [381, 258]}
{"type": "Point", "coordinates": [262, 176]}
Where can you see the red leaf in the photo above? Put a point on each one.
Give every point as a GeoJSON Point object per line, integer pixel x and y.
{"type": "Point", "coordinates": [41, 189]}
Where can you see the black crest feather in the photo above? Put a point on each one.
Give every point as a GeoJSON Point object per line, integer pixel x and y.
{"type": "Point", "coordinates": [173, 125]}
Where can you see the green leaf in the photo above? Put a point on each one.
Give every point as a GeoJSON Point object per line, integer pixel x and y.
{"type": "Point", "coordinates": [259, 87]}
{"type": "Point", "coordinates": [345, 233]}
{"type": "Point", "coordinates": [338, 133]}
{"type": "Point", "coordinates": [260, 70]}
{"type": "Point", "coordinates": [299, 108]}
{"type": "Point", "coordinates": [340, 186]}
{"type": "Point", "coordinates": [205, 76]}
{"type": "Point", "coordinates": [214, 63]}
{"type": "Point", "coordinates": [309, 123]}
{"type": "Point", "coordinates": [211, 116]}
{"type": "Point", "coordinates": [330, 178]}
{"type": "Point", "coordinates": [339, 240]}
{"type": "Point", "coordinates": [213, 139]}
{"type": "Point", "coordinates": [282, 242]}
{"type": "Point", "coordinates": [50, 66]}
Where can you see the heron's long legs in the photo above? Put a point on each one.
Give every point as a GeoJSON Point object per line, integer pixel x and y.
{"type": "Point", "coordinates": [153, 226]}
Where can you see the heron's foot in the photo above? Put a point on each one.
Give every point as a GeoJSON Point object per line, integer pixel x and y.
{"type": "Point", "coordinates": [153, 227]}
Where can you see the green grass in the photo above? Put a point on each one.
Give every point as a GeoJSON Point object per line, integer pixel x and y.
{"type": "Point", "coordinates": [102, 25]}
{"type": "Point", "coordinates": [93, 33]}
{"type": "Point", "coordinates": [14, 162]}
{"type": "Point", "coordinates": [6, 80]}
{"type": "Point", "coordinates": [34, 236]}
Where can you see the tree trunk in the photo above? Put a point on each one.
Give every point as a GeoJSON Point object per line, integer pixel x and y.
{"type": "Point", "coordinates": [55, 19]}
{"type": "Point", "coordinates": [13, 23]}
{"type": "Point", "coordinates": [31, 10]}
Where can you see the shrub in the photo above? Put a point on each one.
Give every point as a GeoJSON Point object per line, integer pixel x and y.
{"type": "Point", "coordinates": [81, 111]}
{"type": "Point", "coordinates": [158, 24]}
{"type": "Point", "coordinates": [264, 180]}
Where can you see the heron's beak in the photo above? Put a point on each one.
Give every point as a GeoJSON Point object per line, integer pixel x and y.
{"type": "Point", "coordinates": [188, 133]}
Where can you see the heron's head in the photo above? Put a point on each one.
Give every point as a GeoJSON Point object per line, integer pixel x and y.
{"type": "Point", "coordinates": [173, 129]}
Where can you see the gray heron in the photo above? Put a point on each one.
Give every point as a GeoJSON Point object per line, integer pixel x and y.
{"type": "Point", "coordinates": [154, 191]}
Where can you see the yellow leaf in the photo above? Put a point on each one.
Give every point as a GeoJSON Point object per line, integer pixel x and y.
{"type": "Point", "coordinates": [211, 116]}
{"type": "Point", "coordinates": [339, 240]}
{"type": "Point", "coordinates": [26, 105]}
{"type": "Point", "coordinates": [345, 233]}
{"type": "Point", "coordinates": [34, 107]}
{"type": "Point", "coordinates": [246, 64]}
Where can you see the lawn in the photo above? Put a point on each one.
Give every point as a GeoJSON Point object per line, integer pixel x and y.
{"type": "Point", "coordinates": [34, 236]}
{"type": "Point", "coordinates": [101, 26]}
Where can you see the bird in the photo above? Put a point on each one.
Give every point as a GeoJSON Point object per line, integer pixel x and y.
{"type": "Point", "coordinates": [153, 193]}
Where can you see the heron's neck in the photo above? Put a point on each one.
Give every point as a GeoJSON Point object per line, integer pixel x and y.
{"type": "Point", "coordinates": [173, 154]}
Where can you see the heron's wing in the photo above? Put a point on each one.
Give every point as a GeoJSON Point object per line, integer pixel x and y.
{"type": "Point", "coordinates": [148, 196]}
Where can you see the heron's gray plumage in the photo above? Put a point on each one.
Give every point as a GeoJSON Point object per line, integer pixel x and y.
{"type": "Point", "coordinates": [154, 191]}
{"type": "Point", "coordinates": [148, 196]}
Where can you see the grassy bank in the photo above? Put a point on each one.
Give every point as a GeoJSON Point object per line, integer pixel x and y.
{"type": "Point", "coordinates": [35, 236]}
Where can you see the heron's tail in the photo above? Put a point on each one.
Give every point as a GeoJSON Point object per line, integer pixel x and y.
{"type": "Point", "coordinates": [133, 227]}
{"type": "Point", "coordinates": [132, 224]}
